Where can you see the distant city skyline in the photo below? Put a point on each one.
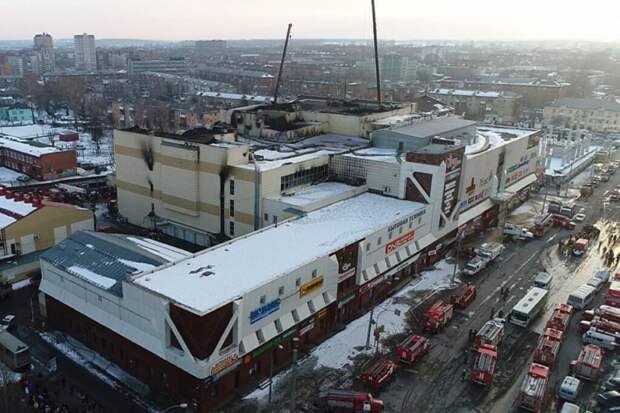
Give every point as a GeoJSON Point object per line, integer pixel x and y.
{"type": "Point", "coordinates": [244, 19]}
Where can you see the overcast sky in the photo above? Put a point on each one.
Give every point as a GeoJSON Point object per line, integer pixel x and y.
{"type": "Point", "coordinates": [237, 19]}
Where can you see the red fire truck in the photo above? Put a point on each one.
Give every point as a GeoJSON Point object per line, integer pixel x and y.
{"type": "Point", "coordinates": [548, 347]}
{"type": "Point", "coordinates": [483, 368]}
{"type": "Point", "coordinates": [612, 298]}
{"type": "Point", "coordinates": [534, 388]}
{"type": "Point", "coordinates": [436, 317]}
{"type": "Point", "coordinates": [602, 325]}
{"type": "Point", "coordinates": [412, 348]}
{"type": "Point", "coordinates": [378, 372]}
{"type": "Point", "coordinates": [605, 312]}
{"type": "Point", "coordinates": [464, 295]}
{"type": "Point", "coordinates": [491, 333]}
{"type": "Point", "coordinates": [588, 364]}
{"type": "Point", "coordinates": [351, 401]}
{"type": "Point", "coordinates": [559, 320]}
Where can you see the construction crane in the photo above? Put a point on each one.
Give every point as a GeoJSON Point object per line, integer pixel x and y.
{"type": "Point", "coordinates": [288, 36]}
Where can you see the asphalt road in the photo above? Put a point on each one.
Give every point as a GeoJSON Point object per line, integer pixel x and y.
{"type": "Point", "coordinates": [435, 384]}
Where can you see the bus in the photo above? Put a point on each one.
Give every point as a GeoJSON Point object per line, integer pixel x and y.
{"type": "Point", "coordinates": [529, 307]}
{"type": "Point", "coordinates": [13, 352]}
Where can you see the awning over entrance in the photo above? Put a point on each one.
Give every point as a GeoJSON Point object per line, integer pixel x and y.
{"type": "Point", "coordinates": [472, 213]}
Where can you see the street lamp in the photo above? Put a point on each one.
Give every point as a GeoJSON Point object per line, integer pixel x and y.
{"type": "Point", "coordinates": [279, 347]}
{"type": "Point", "coordinates": [176, 406]}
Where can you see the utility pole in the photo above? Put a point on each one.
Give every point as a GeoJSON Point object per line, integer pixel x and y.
{"type": "Point", "coordinates": [294, 380]}
{"type": "Point", "coordinates": [288, 35]}
{"type": "Point", "coordinates": [374, 31]}
{"type": "Point", "coordinates": [370, 320]}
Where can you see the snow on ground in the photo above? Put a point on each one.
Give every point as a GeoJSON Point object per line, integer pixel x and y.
{"type": "Point", "coordinates": [21, 284]}
{"type": "Point", "coordinates": [525, 208]}
{"type": "Point", "coordinates": [8, 177]}
{"type": "Point", "coordinates": [100, 367]}
{"type": "Point", "coordinates": [338, 351]}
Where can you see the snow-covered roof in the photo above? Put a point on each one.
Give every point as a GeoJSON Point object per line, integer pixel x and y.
{"type": "Point", "coordinates": [375, 154]}
{"type": "Point", "coordinates": [466, 93]}
{"type": "Point", "coordinates": [317, 193]}
{"type": "Point", "coordinates": [294, 158]}
{"type": "Point", "coordinates": [236, 96]}
{"type": "Point", "coordinates": [16, 207]}
{"type": "Point", "coordinates": [26, 147]}
{"type": "Point", "coordinates": [216, 276]}
{"type": "Point", "coordinates": [104, 260]}
{"type": "Point", "coordinates": [28, 131]}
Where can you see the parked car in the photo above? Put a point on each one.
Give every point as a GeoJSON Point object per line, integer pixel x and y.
{"type": "Point", "coordinates": [7, 322]}
{"type": "Point", "coordinates": [609, 398]}
{"type": "Point", "coordinates": [612, 383]}
{"type": "Point", "coordinates": [579, 217]}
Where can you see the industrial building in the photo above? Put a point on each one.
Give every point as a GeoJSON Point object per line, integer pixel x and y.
{"type": "Point", "coordinates": [30, 225]}
{"type": "Point", "coordinates": [35, 159]}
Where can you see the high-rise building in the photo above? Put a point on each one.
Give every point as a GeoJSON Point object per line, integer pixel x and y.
{"type": "Point", "coordinates": [44, 52]}
{"type": "Point", "coordinates": [393, 65]}
{"type": "Point", "coordinates": [85, 56]}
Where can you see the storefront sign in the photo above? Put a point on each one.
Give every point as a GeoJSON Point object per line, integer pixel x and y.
{"type": "Point", "coordinates": [224, 363]}
{"type": "Point", "coordinates": [399, 242]}
{"type": "Point", "coordinates": [311, 286]}
{"type": "Point", "coordinates": [371, 284]}
{"type": "Point", "coordinates": [322, 313]}
{"type": "Point", "coordinates": [308, 325]}
{"type": "Point", "coordinates": [272, 343]}
{"type": "Point", "coordinates": [264, 311]}
{"type": "Point", "coordinates": [346, 258]}
{"type": "Point", "coordinates": [346, 300]}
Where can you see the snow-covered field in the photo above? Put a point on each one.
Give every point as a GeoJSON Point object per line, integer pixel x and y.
{"type": "Point", "coordinates": [338, 351]}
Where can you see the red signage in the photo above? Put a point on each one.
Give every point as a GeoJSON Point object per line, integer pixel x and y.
{"type": "Point", "coordinates": [399, 242]}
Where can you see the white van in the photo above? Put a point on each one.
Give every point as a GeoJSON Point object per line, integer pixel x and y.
{"type": "Point", "coordinates": [543, 280]}
{"type": "Point", "coordinates": [599, 339]}
{"type": "Point", "coordinates": [596, 282]}
{"type": "Point", "coordinates": [569, 389]}
{"type": "Point", "coordinates": [581, 297]}
{"type": "Point", "coordinates": [569, 408]}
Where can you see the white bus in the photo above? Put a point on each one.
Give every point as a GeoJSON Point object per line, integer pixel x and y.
{"type": "Point", "coordinates": [529, 307]}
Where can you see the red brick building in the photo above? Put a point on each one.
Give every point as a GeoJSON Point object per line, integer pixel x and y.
{"type": "Point", "coordinates": [37, 160]}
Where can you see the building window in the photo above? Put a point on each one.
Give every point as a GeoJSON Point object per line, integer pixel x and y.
{"type": "Point", "coordinates": [231, 186]}
{"type": "Point", "coordinates": [314, 273]}
{"type": "Point", "coordinates": [260, 336]}
{"type": "Point", "coordinates": [368, 246]}
{"type": "Point", "coordinates": [232, 228]}
{"type": "Point", "coordinates": [281, 291]}
{"type": "Point", "coordinates": [232, 207]}
{"type": "Point", "coordinates": [379, 241]}
{"type": "Point", "coordinates": [295, 316]}
{"type": "Point", "coordinates": [305, 176]}
{"type": "Point", "coordinates": [298, 282]}
{"type": "Point", "coordinates": [266, 217]}
{"type": "Point", "coordinates": [278, 324]}
{"type": "Point", "coordinates": [263, 299]}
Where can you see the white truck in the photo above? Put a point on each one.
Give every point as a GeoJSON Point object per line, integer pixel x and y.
{"type": "Point", "coordinates": [485, 255]}
{"type": "Point", "coordinates": [515, 231]}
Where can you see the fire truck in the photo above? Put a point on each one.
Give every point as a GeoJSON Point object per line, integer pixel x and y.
{"type": "Point", "coordinates": [534, 388]}
{"type": "Point", "coordinates": [378, 372]}
{"type": "Point", "coordinates": [588, 364]}
{"type": "Point", "coordinates": [612, 298]}
{"type": "Point", "coordinates": [611, 328]}
{"type": "Point", "coordinates": [437, 316]}
{"type": "Point", "coordinates": [412, 348]}
{"type": "Point", "coordinates": [463, 296]}
{"type": "Point", "coordinates": [483, 368]}
{"type": "Point", "coordinates": [548, 347]}
{"type": "Point", "coordinates": [559, 319]}
{"type": "Point", "coordinates": [351, 401]}
{"type": "Point", "coordinates": [491, 333]}
{"type": "Point", "coordinates": [605, 312]}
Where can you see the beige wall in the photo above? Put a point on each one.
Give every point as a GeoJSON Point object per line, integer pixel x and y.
{"type": "Point", "coordinates": [595, 120]}
{"type": "Point", "coordinates": [44, 227]}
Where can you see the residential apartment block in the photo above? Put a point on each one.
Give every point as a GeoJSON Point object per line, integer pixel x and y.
{"type": "Point", "coordinates": [490, 107]}
{"type": "Point", "coordinates": [596, 115]}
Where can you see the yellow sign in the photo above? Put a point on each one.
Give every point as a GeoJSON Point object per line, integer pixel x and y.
{"type": "Point", "coordinates": [224, 363]}
{"type": "Point", "coordinates": [311, 286]}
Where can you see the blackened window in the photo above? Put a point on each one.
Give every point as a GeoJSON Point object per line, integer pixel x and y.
{"type": "Point", "coordinates": [304, 176]}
